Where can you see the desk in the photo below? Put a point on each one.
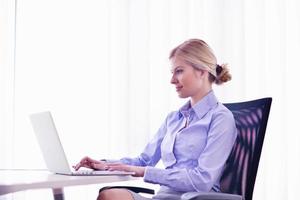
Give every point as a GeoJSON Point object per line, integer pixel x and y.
{"type": "Point", "coordinates": [19, 180]}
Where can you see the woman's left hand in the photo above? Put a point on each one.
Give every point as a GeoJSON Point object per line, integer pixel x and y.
{"type": "Point", "coordinates": [139, 171]}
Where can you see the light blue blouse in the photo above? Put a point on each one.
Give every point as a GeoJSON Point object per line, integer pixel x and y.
{"type": "Point", "coordinates": [194, 144]}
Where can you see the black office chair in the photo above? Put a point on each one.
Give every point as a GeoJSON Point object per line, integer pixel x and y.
{"type": "Point", "coordinates": [238, 178]}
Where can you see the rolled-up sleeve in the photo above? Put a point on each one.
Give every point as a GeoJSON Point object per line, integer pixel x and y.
{"type": "Point", "coordinates": [220, 139]}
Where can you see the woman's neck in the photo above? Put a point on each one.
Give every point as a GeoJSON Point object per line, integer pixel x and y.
{"type": "Point", "coordinates": [196, 98]}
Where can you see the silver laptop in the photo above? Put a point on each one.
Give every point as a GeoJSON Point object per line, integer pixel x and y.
{"type": "Point", "coordinates": [53, 152]}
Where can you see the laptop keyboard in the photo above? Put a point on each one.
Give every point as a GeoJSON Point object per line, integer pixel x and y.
{"type": "Point", "coordinates": [84, 172]}
{"type": "Point", "coordinates": [100, 172]}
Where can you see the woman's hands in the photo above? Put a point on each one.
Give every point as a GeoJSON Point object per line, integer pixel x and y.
{"type": "Point", "coordinates": [91, 163]}
{"type": "Point", "coordinates": [102, 165]}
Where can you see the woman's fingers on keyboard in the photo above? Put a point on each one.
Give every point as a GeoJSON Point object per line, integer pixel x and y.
{"type": "Point", "coordinates": [89, 163]}
{"type": "Point", "coordinates": [81, 163]}
{"type": "Point", "coordinates": [77, 166]}
{"type": "Point", "coordinates": [84, 162]}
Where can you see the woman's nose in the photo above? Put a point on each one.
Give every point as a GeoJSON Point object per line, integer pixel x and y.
{"type": "Point", "coordinates": [173, 80]}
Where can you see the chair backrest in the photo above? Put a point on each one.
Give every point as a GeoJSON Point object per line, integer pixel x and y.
{"type": "Point", "coordinates": [251, 119]}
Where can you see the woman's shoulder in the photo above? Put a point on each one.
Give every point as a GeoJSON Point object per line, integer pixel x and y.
{"type": "Point", "coordinates": [221, 111]}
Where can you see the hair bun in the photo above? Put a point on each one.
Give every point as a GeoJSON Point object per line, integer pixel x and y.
{"type": "Point", "coordinates": [223, 74]}
{"type": "Point", "coordinates": [219, 69]}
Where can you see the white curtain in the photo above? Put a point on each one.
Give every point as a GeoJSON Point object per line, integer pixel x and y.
{"type": "Point", "coordinates": [7, 35]}
{"type": "Point", "coordinates": [101, 68]}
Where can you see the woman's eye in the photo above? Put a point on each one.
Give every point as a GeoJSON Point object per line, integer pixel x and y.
{"type": "Point", "coordinates": [178, 71]}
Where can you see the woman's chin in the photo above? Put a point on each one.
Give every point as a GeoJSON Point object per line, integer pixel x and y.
{"type": "Point", "coordinates": [180, 95]}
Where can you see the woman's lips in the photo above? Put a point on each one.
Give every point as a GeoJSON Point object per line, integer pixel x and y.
{"type": "Point", "coordinates": [178, 88]}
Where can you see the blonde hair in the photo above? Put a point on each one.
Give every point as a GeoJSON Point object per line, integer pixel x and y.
{"type": "Point", "coordinates": [200, 56]}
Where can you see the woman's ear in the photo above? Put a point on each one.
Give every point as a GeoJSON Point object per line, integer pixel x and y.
{"type": "Point", "coordinates": [200, 73]}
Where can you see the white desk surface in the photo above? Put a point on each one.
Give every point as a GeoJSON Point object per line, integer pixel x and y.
{"type": "Point", "coordinates": [18, 180]}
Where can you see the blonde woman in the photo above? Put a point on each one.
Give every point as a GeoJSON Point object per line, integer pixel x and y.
{"type": "Point", "coordinates": [193, 142]}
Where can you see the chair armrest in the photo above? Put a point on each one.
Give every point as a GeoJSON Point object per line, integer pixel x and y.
{"type": "Point", "coordinates": [210, 196]}
{"type": "Point", "coordinates": [131, 188]}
